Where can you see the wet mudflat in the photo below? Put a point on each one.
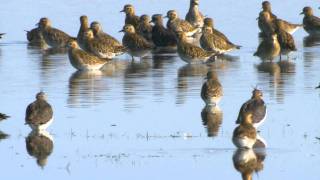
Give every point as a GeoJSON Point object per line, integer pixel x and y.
{"type": "Point", "coordinates": [145, 119]}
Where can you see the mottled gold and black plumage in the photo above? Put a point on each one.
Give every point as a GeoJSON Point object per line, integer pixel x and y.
{"type": "Point", "coordinates": [136, 44]}
{"type": "Point", "coordinates": [100, 48]}
{"type": "Point", "coordinates": [211, 91]}
{"type": "Point", "coordinates": [266, 11]}
{"type": "Point", "coordinates": [81, 60]}
{"type": "Point", "coordinates": [103, 36]}
{"type": "Point", "coordinates": [311, 23]}
{"type": "Point", "coordinates": [175, 24]}
{"type": "Point", "coordinates": [52, 36]}
{"type": "Point", "coordinates": [212, 41]}
{"type": "Point", "coordinates": [131, 18]}
{"type": "Point", "coordinates": [39, 112]}
{"type": "Point", "coordinates": [84, 27]}
{"type": "Point", "coordinates": [144, 27]}
{"type": "Point", "coordinates": [34, 36]}
{"type": "Point", "coordinates": [256, 106]}
{"type": "Point", "coordinates": [245, 135]}
{"type": "Point", "coordinates": [161, 36]}
{"type": "Point", "coordinates": [285, 39]}
{"type": "Point", "coordinates": [194, 16]}
{"type": "Point", "coordinates": [191, 53]}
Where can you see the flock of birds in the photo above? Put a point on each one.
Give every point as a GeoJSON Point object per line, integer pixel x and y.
{"type": "Point", "coordinates": [194, 39]}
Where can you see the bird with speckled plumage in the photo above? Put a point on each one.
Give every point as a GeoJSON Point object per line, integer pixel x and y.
{"type": "Point", "coordinates": [161, 36]}
{"type": "Point", "coordinates": [101, 48]}
{"type": "Point", "coordinates": [175, 24]}
{"type": "Point", "coordinates": [256, 106]}
{"type": "Point", "coordinates": [103, 36]}
{"type": "Point", "coordinates": [84, 27]}
{"type": "Point", "coordinates": [245, 135]}
{"type": "Point", "coordinates": [191, 53]}
{"type": "Point", "coordinates": [52, 36]}
{"type": "Point", "coordinates": [81, 60]}
{"type": "Point", "coordinates": [145, 28]}
{"type": "Point", "coordinates": [39, 114]}
{"type": "Point", "coordinates": [194, 16]}
{"type": "Point", "coordinates": [136, 44]}
{"type": "Point", "coordinates": [211, 91]}
{"type": "Point", "coordinates": [131, 17]}
{"type": "Point", "coordinates": [311, 23]}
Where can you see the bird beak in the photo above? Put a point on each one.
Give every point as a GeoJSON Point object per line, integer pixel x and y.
{"type": "Point", "coordinates": [301, 13]}
{"type": "Point", "coordinates": [122, 11]}
{"type": "Point", "coordinates": [121, 31]}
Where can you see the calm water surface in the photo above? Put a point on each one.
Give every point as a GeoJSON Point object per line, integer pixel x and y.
{"type": "Point", "coordinates": [142, 120]}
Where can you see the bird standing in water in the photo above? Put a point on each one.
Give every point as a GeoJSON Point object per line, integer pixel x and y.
{"type": "Point", "coordinates": [245, 135]}
{"type": "Point", "coordinates": [211, 91]}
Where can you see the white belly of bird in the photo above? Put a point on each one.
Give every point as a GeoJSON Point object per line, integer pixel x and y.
{"type": "Point", "coordinates": [42, 127]}
{"type": "Point", "coordinates": [244, 142]}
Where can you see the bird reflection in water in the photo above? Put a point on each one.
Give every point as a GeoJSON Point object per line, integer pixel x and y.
{"type": "Point", "coordinates": [160, 60]}
{"type": "Point", "coordinates": [40, 146]}
{"type": "Point", "coordinates": [311, 41]}
{"type": "Point", "coordinates": [189, 76]}
{"type": "Point", "coordinates": [281, 74]}
{"type": "Point", "coordinates": [3, 136]}
{"type": "Point", "coordinates": [247, 161]}
{"type": "Point", "coordinates": [212, 117]}
{"type": "Point", "coordinates": [135, 82]}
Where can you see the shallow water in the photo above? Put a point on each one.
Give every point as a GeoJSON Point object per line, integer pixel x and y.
{"type": "Point", "coordinates": [142, 119]}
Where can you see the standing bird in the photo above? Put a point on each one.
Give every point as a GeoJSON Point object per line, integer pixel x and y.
{"type": "Point", "coordinates": [101, 35]}
{"type": "Point", "coordinates": [136, 44]}
{"type": "Point", "coordinates": [266, 9]}
{"type": "Point", "coordinates": [3, 116]}
{"type": "Point", "coordinates": [39, 114]}
{"type": "Point", "coordinates": [285, 39]}
{"type": "Point", "coordinates": [311, 23]}
{"type": "Point", "coordinates": [82, 60]}
{"type": "Point", "coordinates": [191, 53]}
{"type": "Point", "coordinates": [145, 28]}
{"type": "Point", "coordinates": [52, 36]}
{"type": "Point", "coordinates": [161, 36]}
{"type": "Point", "coordinates": [269, 48]}
{"type": "Point", "coordinates": [208, 22]}
{"type": "Point", "coordinates": [34, 36]}
{"type": "Point", "coordinates": [211, 41]}
{"type": "Point", "coordinates": [175, 24]}
{"type": "Point", "coordinates": [245, 135]}
{"type": "Point", "coordinates": [84, 27]}
{"type": "Point", "coordinates": [101, 48]}
{"type": "Point", "coordinates": [211, 91]}
{"type": "Point", "coordinates": [288, 27]}
{"type": "Point", "coordinates": [256, 107]}
{"type": "Point", "coordinates": [194, 16]}
{"type": "Point", "coordinates": [131, 18]}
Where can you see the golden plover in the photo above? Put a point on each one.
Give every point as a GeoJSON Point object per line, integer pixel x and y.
{"type": "Point", "coordinates": [39, 114]}
{"type": "Point", "coordinates": [100, 48]}
{"type": "Point", "coordinates": [191, 53]}
{"type": "Point", "coordinates": [211, 91]}
{"type": "Point", "coordinates": [131, 18]}
{"type": "Point", "coordinates": [311, 23]}
{"type": "Point", "coordinates": [176, 24]}
{"type": "Point", "coordinates": [52, 36]}
{"type": "Point", "coordinates": [82, 60]}
{"type": "Point", "coordinates": [256, 107]}
{"type": "Point", "coordinates": [137, 45]}
{"type": "Point", "coordinates": [194, 16]}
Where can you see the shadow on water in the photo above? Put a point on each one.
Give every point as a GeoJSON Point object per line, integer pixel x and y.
{"type": "Point", "coordinates": [311, 41]}
{"type": "Point", "coordinates": [212, 117]}
{"type": "Point", "coordinates": [40, 146]}
{"type": "Point", "coordinates": [279, 80]}
{"type": "Point", "coordinates": [161, 60]}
